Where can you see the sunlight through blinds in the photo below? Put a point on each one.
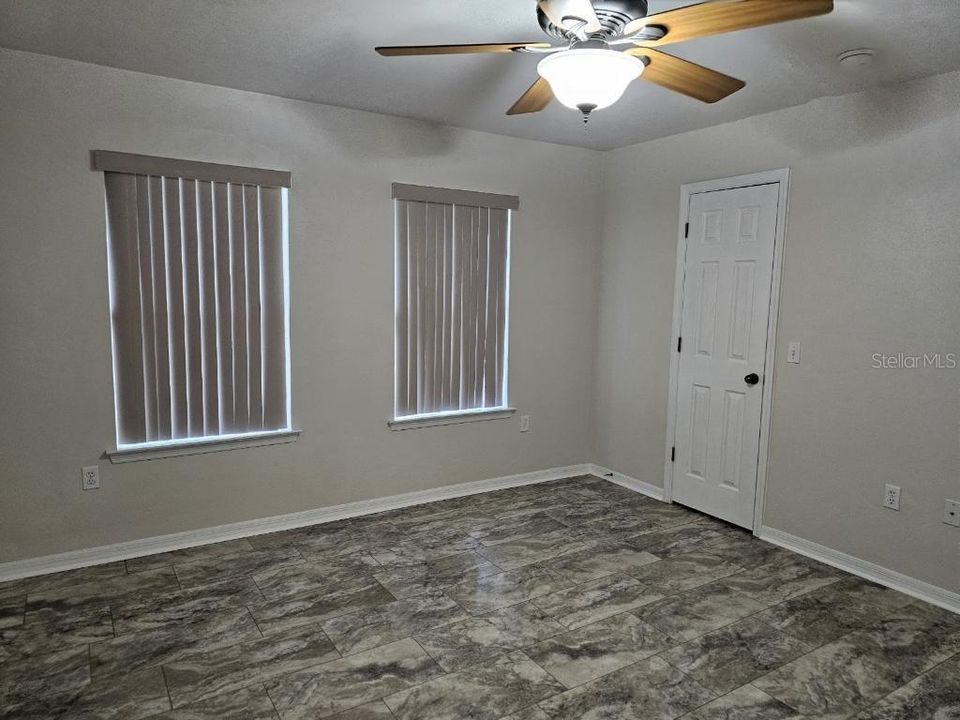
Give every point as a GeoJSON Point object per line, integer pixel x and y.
{"type": "Point", "coordinates": [198, 298]}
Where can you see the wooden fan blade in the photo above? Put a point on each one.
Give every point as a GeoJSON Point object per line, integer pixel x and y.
{"type": "Point", "coordinates": [686, 77]}
{"type": "Point", "coordinates": [723, 16]}
{"type": "Point", "coordinates": [535, 99]}
{"type": "Point", "coordinates": [404, 50]}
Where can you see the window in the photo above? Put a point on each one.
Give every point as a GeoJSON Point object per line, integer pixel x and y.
{"type": "Point", "coordinates": [452, 278]}
{"type": "Point", "coordinates": [198, 299]}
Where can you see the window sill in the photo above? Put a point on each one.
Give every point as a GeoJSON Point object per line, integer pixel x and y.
{"type": "Point", "coordinates": [456, 418]}
{"type": "Point", "coordinates": [200, 447]}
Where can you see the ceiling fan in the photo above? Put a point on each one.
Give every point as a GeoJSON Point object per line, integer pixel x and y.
{"type": "Point", "coordinates": [587, 74]}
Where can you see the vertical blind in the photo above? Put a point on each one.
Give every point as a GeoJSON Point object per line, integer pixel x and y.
{"type": "Point", "coordinates": [198, 297]}
{"type": "Point", "coordinates": [452, 259]}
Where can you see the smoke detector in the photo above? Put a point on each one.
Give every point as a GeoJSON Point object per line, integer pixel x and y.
{"type": "Point", "coordinates": [856, 59]}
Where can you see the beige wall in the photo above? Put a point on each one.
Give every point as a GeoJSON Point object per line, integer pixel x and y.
{"type": "Point", "coordinates": [872, 265]}
{"type": "Point", "coordinates": [55, 374]}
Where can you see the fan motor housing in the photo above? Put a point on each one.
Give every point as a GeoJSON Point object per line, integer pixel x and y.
{"type": "Point", "coordinates": [612, 14]}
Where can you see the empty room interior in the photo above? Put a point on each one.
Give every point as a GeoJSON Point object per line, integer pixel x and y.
{"type": "Point", "coordinates": [489, 360]}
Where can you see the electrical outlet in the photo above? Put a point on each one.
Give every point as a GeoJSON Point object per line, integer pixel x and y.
{"type": "Point", "coordinates": [951, 513]}
{"type": "Point", "coordinates": [90, 478]}
{"type": "Point", "coordinates": [891, 497]}
{"type": "Point", "coordinates": [524, 423]}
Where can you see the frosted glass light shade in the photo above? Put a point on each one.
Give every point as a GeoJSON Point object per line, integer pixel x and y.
{"type": "Point", "coordinates": [589, 79]}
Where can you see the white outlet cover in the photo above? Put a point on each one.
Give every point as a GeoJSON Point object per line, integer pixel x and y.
{"type": "Point", "coordinates": [951, 513]}
{"type": "Point", "coordinates": [891, 497]}
{"type": "Point", "coordinates": [524, 423]}
{"type": "Point", "coordinates": [90, 477]}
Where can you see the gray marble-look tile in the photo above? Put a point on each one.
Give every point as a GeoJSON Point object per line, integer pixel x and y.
{"type": "Point", "coordinates": [581, 655]}
{"type": "Point", "coordinates": [822, 615]}
{"type": "Point", "coordinates": [587, 603]}
{"type": "Point", "coordinates": [830, 683]}
{"type": "Point", "coordinates": [183, 607]}
{"type": "Point", "coordinates": [781, 580]}
{"type": "Point", "coordinates": [912, 639]}
{"type": "Point", "coordinates": [107, 590]}
{"type": "Point", "coordinates": [52, 582]}
{"type": "Point", "coordinates": [534, 549]}
{"type": "Point", "coordinates": [935, 695]}
{"type": "Point", "coordinates": [52, 673]}
{"type": "Point", "coordinates": [347, 683]}
{"type": "Point", "coordinates": [371, 711]}
{"type": "Point", "coordinates": [407, 552]}
{"type": "Point", "coordinates": [134, 696]}
{"type": "Point", "coordinates": [215, 569]}
{"type": "Point", "coordinates": [684, 572]}
{"type": "Point", "coordinates": [855, 671]}
{"type": "Point", "coordinates": [277, 615]}
{"type": "Point", "coordinates": [249, 703]}
{"type": "Point", "coordinates": [441, 542]}
{"type": "Point", "coordinates": [681, 539]}
{"type": "Point", "coordinates": [462, 523]}
{"type": "Point", "coordinates": [383, 624]}
{"type": "Point", "coordinates": [627, 520]}
{"type": "Point", "coordinates": [44, 631]}
{"type": "Point", "coordinates": [534, 712]}
{"type": "Point", "coordinates": [648, 690]}
{"type": "Point", "coordinates": [482, 692]}
{"type": "Point", "coordinates": [315, 575]}
{"type": "Point", "coordinates": [744, 703]}
{"type": "Point", "coordinates": [516, 528]}
{"type": "Point", "coordinates": [282, 538]}
{"type": "Point", "coordinates": [577, 512]}
{"type": "Point", "coordinates": [12, 609]}
{"type": "Point", "coordinates": [747, 551]}
{"type": "Point", "coordinates": [407, 580]}
{"type": "Point", "coordinates": [124, 653]}
{"type": "Point", "coordinates": [372, 538]}
{"type": "Point", "coordinates": [476, 639]}
{"type": "Point", "coordinates": [708, 607]}
{"type": "Point", "coordinates": [600, 559]}
{"type": "Point", "coordinates": [734, 655]}
{"type": "Point", "coordinates": [493, 592]}
{"type": "Point", "coordinates": [200, 552]}
{"type": "Point", "coordinates": [223, 671]}
{"type": "Point", "coordinates": [876, 595]}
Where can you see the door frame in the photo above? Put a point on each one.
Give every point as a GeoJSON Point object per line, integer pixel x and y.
{"type": "Point", "coordinates": [772, 177]}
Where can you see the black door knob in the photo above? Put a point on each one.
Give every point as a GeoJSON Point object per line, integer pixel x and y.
{"type": "Point", "coordinates": [752, 379]}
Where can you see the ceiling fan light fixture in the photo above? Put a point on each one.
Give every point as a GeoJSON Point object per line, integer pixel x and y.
{"type": "Point", "coordinates": [589, 78]}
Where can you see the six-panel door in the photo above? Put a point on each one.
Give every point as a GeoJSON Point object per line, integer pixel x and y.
{"type": "Point", "coordinates": [726, 306]}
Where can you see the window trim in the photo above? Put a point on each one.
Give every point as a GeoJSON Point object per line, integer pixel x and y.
{"type": "Point", "coordinates": [199, 446]}
{"type": "Point", "coordinates": [107, 161]}
{"type": "Point", "coordinates": [454, 197]}
{"type": "Point", "coordinates": [453, 417]}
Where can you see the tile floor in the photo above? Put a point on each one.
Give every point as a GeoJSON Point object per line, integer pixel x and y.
{"type": "Point", "coordinates": [570, 599]}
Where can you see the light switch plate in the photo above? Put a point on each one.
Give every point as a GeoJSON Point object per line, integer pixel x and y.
{"type": "Point", "coordinates": [793, 352]}
{"type": "Point", "coordinates": [524, 423]}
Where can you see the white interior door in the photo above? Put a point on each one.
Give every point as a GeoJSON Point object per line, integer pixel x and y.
{"type": "Point", "coordinates": [726, 306]}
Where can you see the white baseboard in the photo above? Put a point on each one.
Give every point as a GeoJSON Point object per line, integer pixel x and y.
{"type": "Point", "coordinates": [870, 571]}
{"type": "Point", "coordinates": [626, 481]}
{"type": "Point", "coordinates": [177, 541]}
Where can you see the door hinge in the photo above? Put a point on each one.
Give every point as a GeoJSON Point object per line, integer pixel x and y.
{"type": "Point", "coordinates": [679, 344]}
{"type": "Point", "coordinates": [686, 230]}
{"type": "Point", "coordinates": [673, 454]}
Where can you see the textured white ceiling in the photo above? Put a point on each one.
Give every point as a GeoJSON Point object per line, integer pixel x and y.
{"type": "Point", "coordinates": [322, 50]}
